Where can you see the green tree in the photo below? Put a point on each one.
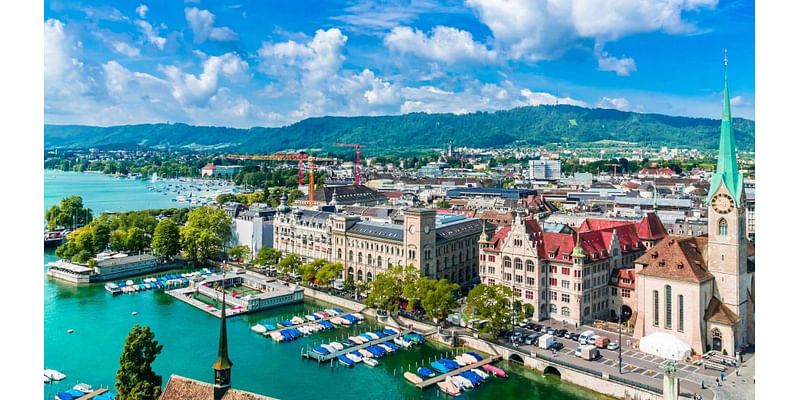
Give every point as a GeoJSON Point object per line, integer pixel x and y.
{"type": "Point", "coordinates": [492, 303]}
{"type": "Point", "coordinates": [226, 198]}
{"type": "Point", "coordinates": [362, 287]}
{"type": "Point", "coordinates": [441, 301]}
{"type": "Point", "coordinates": [267, 256]}
{"type": "Point", "coordinates": [308, 271]}
{"type": "Point", "coordinates": [349, 284]}
{"type": "Point", "coordinates": [289, 264]}
{"type": "Point", "coordinates": [329, 272]}
{"type": "Point", "coordinates": [443, 204]}
{"type": "Point", "coordinates": [136, 240]}
{"type": "Point", "coordinates": [166, 238]}
{"type": "Point", "coordinates": [528, 310]}
{"type": "Point", "coordinates": [102, 235]}
{"type": "Point", "coordinates": [68, 212]}
{"type": "Point", "coordinates": [117, 241]}
{"type": "Point", "coordinates": [388, 287]}
{"type": "Point", "coordinates": [135, 377]}
{"type": "Point", "coordinates": [205, 231]}
{"type": "Point", "coordinates": [239, 252]}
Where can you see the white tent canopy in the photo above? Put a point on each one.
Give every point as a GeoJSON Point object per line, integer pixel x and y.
{"type": "Point", "coordinates": [666, 346]}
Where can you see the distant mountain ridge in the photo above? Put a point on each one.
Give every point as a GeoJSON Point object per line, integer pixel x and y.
{"type": "Point", "coordinates": [534, 125]}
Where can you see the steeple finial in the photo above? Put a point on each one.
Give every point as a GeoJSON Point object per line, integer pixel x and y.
{"type": "Point", "coordinates": [577, 251]}
{"type": "Point", "coordinates": [726, 57]}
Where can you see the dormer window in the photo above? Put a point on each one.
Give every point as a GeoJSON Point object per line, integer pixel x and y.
{"type": "Point", "coordinates": [551, 254]}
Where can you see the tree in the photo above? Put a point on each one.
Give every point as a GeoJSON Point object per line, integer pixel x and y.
{"type": "Point", "coordinates": [443, 204]}
{"type": "Point", "coordinates": [68, 212]}
{"type": "Point", "coordinates": [206, 230]}
{"type": "Point", "coordinates": [267, 256]}
{"type": "Point", "coordinates": [329, 272]}
{"type": "Point", "coordinates": [349, 284]}
{"type": "Point", "coordinates": [492, 303]}
{"type": "Point", "coordinates": [289, 264]}
{"type": "Point", "coordinates": [440, 302]}
{"type": "Point", "coordinates": [388, 287]}
{"type": "Point", "coordinates": [361, 287]}
{"type": "Point", "coordinates": [226, 198]}
{"type": "Point", "coordinates": [136, 240]}
{"type": "Point", "coordinates": [135, 377]}
{"type": "Point", "coordinates": [529, 310]}
{"type": "Point", "coordinates": [166, 238]}
{"type": "Point", "coordinates": [308, 271]}
{"type": "Point", "coordinates": [240, 252]}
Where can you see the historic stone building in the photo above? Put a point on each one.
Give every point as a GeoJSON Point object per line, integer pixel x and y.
{"type": "Point", "coordinates": [441, 246]}
{"type": "Point", "coordinates": [565, 275]}
{"type": "Point", "coordinates": [304, 232]}
{"type": "Point", "coordinates": [702, 289]}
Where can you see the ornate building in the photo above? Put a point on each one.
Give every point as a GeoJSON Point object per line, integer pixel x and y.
{"type": "Point", "coordinates": [304, 232]}
{"type": "Point", "coordinates": [701, 289]}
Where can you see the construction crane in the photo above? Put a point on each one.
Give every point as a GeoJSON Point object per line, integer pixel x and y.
{"type": "Point", "coordinates": [358, 158]}
{"type": "Point", "coordinates": [615, 168]}
{"type": "Point", "coordinates": [300, 157]}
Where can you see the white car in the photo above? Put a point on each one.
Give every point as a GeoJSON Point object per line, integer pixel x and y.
{"type": "Point", "coordinates": [612, 346]}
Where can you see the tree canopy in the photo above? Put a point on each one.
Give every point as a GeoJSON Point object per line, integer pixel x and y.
{"type": "Point", "coordinates": [68, 212]}
{"type": "Point", "coordinates": [166, 238]}
{"type": "Point", "coordinates": [207, 228]}
{"type": "Point", "coordinates": [136, 379]}
{"type": "Point", "coordinates": [492, 303]}
{"type": "Point", "coordinates": [267, 256]}
{"type": "Point", "coordinates": [387, 289]}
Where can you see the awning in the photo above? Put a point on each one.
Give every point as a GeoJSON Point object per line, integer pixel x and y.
{"type": "Point", "coordinates": [665, 346]}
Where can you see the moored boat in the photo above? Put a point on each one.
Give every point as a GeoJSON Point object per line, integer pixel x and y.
{"type": "Point", "coordinates": [412, 377]}
{"type": "Point", "coordinates": [83, 387]}
{"type": "Point", "coordinates": [370, 361]}
{"type": "Point", "coordinates": [426, 372]}
{"type": "Point", "coordinates": [448, 388]}
{"type": "Point", "coordinates": [345, 361]}
{"type": "Point", "coordinates": [113, 288]}
{"type": "Point", "coordinates": [54, 375]}
{"type": "Point", "coordinates": [258, 328]}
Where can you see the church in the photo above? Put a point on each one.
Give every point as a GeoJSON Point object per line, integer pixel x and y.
{"type": "Point", "coordinates": [701, 289]}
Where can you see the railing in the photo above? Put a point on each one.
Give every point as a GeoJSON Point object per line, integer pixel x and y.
{"type": "Point", "coordinates": [635, 384]}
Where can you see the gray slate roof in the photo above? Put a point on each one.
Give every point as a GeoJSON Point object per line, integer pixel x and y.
{"type": "Point", "coordinates": [379, 230]}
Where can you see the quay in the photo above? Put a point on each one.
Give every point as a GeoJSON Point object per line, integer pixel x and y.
{"type": "Point", "coordinates": [323, 358]}
{"type": "Point", "coordinates": [94, 394]}
{"type": "Point", "coordinates": [441, 377]}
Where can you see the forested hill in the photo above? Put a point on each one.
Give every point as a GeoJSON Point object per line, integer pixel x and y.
{"type": "Point", "coordinates": [516, 127]}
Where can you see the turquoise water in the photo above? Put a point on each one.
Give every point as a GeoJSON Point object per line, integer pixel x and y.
{"type": "Point", "coordinates": [101, 321]}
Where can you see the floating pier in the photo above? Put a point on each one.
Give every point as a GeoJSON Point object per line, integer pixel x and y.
{"type": "Point", "coordinates": [323, 358]}
{"type": "Point", "coordinates": [441, 377]}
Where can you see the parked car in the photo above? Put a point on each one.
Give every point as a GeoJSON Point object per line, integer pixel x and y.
{"type": "Point", "coordinates": [613, 346]}
{"type": "Point", "coordinates": [551, 331]}
{"type": "Point", "coordinates": [573, 336]}
{"type": "Point", "coordinates": [530, 338]}
{"type": "Point", "coordinates": [584, 337]}
{"type": "Point", "coordinates": [592, 339]}
{"type": "Point", "coordinates": [561, 332]}
{"type": "Point", "coordinates": [601, 342]}
{"type": "Point", "coordinates": [557, 346]}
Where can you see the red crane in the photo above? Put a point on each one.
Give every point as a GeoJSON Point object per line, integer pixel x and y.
{"type": "Point", "coordinates": [358, 158]}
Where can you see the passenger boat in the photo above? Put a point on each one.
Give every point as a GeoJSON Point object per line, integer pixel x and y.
{"type": "Point", "coordinates": [370, 361]}
{"type": "Point", "coordinates": [113, 288]}
{"type": "Point", "coordinates": [448, 388]}
{"type": "Point", "coordinates": [412, 377]}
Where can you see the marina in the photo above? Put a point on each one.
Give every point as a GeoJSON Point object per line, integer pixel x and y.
{"type": "Point", "coordinates": [320, 357]}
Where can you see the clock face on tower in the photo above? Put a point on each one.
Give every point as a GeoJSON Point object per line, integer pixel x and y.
{"type": "Point", "coordinates": [722, 203]}
{"type": "Point", "coordinates": [412, 229]}
{"type": "Point", "coordinates": [427, 229]}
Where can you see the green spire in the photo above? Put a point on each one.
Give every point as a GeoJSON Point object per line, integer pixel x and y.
{"type": "Point", "coordinates": [223, 362]}
{"type": "Point", "coordinates": [727, 172]}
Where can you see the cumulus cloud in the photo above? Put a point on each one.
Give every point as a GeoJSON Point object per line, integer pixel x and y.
{"type": "Point", "coordinates": [622, 66]}
{"type": "Point", "coordinates": [151, 34]}
{"type": "Point", "coordinates": [63, 70]}
{"type": "Point", "coordinates": [537, 30]}
{"type": "Point", "coordinates": [531, 98]}
{"type": "Point", "coordinates": [196, 90]}
{"type": "Point", "coordinates": [202, 24]}
{"type": "Point", "coordinates": [142, 10]}
{"type": "Point", "coordinates": [445, 44]}
{"type": "Point", "coordinates": [619, 103]}
{"type": "Point", "coordinates": [126, 49]}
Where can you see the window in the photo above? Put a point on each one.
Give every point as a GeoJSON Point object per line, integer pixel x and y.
{"type": "Point", "coordinates": [668, 299]}
{"type": "Point", "coordinates": [626, 293]}
{"type": "Point", "coordinates": [351, 255]}
{"type": "Point", "coordinates": [360, 276]}
{"type": "Point", "coordinates": [491, 258]}
{"type": "Point", "coordinates": [490, 282]}
{"type": "Point", "coordinates": [565, 297]}
{"type": "Point", "coordinates": [380, 261]}
{"type": "Point", "coordinates": [577, 286]}
{"type": "Point", "coordinates": [564, 271]}
{"type": "Point", "coordinates": [517, 293]}
{"type": "Point", "coordinates": [553, 269]}
{"type": "Point", "coordinates": [565, 311]}
{"type": "Point", "coordinates": [565, 284]}
{"type": "Point", "coordinates": [507, 277]}
{"type": "Point", "coordinates": [339, 254]}
{"type": "Point", "coordinates": [360, 258]}
{"type": "Point", "coordinates": [680, 312]}
{"type": "Point", "coordinates": [369, 259]}
{"type": "Point", "coordinates": [530, 281]}
{"type": "Point", "coordinates": [369, 276]}
{"type": "Point", "coordinates": [553, 296]}
{"type": "Point", "coordinates": [506, 262]}
{"type": "Point", "coordinates": [491, 270]}
{"type": "Point", "coordinates": [529, 295]}
{"type": "Point", "coordinates": [529, 266]}
{"type": "Point", "coordinates": [553, 282]}
{"type": "Point", "coordinates": [518, 278]}
{"type": "Point", "coordinates": [655, 307]}
{"type": "Point", "coordinates": [613, 291]}
{"type": "Point", "coordinates": [586, 311]}
{"type": "Point", "coordinates": [723, 227]}
{"type": "Point", "coordinates": [517, 263]}
{"type": "Point", "coordinates": [553, 309]}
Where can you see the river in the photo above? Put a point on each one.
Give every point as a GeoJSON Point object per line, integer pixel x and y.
{"type": "Point", "coordinates": [101, 322]}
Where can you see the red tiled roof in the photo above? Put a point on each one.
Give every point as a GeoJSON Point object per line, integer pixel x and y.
{"type": "Point", "coordinates": [591, 224]}
{"type": "Point", "coordinates": [677, 257]}
{"type": "Point", "coordinates": [210, 166]}
{"type": "Point", "coordinates": [394, 194]}
{"type": "Point", "coordinates": [497, 240]}
{"type": "Point", "coordinates": [180, 388]}
{"type": "Point", "coordinates": [719, 312]}
{"type": "Point", "coordinates": [627, 273]}
{"type": "Point", "coordinates": [651, 228]}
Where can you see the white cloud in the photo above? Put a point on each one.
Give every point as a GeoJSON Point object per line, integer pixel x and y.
{"type": "Point", "coordinates": [444, 44]}
{"type": "Point", "coordinates": [622, 66]}
{"type": "Point", "coordinates": [126, 49]}
{"type": "Point", "coordinates": [739, 101]}
{"type": "Point", "coordinates": [151, 34]}
{"type": "Point", "coordinates": [142, 10]}
{"type": "Point", "coordinates": [316, 60]}
{"type": "Point", "coordinates": [63, 71]}
{"type": "Point", "coordinates": [202, 24]}
{"type": "Point", "coordinates": [531, 98]}
{"type": "Point", "coordinates": [116, 76]}
{"type": "Point", "coordinates": [619, 103]}
{"type": "Point", "coordinates": [537, 30]}
{"type": "Point", "coordinates": [196, 90]}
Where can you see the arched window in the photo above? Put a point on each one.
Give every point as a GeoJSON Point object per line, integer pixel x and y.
{"type": "Point", "coordinates": [369, 259]}
{"type": "Point", "coordinates": [723, 227]}
{"type": "Point", "coordinates": [388, 263]}
{"type": "Point", "coordinates": [553, 309]}
{"type": "Point", "coordinates": [655, 307]}
{"type": "Point", "coordinates": [529, 266]}
{"type": "Point", "coordinates": [680, 312]}
{"type": "Point", "coordinates": [506, 262]}
{"type": "Point", "coordinates": [716, 334]}
{"type": "Point", "coordinates": [351, 255]}
{"type": "Point", "coordinates": [380, 261]}
{"type": "Point", "coordinates": [350, 272]}
{"type": "Point", "coordinates": [517, 263]}
{"type": "Point", "coordinates": [586, 310]}
{"type": "Point", "coordinates": [339, 254]}
{"type": "Point", "coordinates": [369, 276]}
{"type": "Point", "coordinates": [565, 311]}
{"type": "Point", "coordinates": [668, 299]}
{"type": "Point", "coordinates": [360, 258]}
{"type": "Point", "coordinates": [360, 276]}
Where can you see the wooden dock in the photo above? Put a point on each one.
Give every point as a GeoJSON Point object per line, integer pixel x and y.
{"type": "Point", "coordinates": [322, 358]}
{"type": "Point", "coordinates": [93, 394]}
{"type": "Point", "coordinates": [316, 321]}
{"type": "Point", "coordinates": [441, 377]}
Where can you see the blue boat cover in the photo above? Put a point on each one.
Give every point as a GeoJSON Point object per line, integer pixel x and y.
{"type": "Point", "coordinates": [338, 310]}
{"type": "Point", "coordinates": [425, 372]}
{"type": "Point", "coordinates": [477, 357]}
{"type": "Point", "coordinates": [345, 360]}
{"type": "Point", "coordinates": [64, 396]}
{"type": "Point", "coordinates": [270, 327]}
{"type": "Point", "coordinates": [439, 367]}
{"type": "Point", "coordinates": [348, 342]}
{"type": "Point", "coordinates": [321, 350]}
{"type": "Point", "coordinates": [76, 393]}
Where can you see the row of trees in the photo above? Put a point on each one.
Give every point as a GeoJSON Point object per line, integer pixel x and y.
{"type": "Point", "coordinates": [398, 283]}
{"type": "Point", "coordinates": [69, 212]}
{"type": "Point", "coordinates": [272, 196]}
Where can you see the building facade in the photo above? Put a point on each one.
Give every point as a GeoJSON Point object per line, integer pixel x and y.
{"type": "Point", "coordinates": [306, 233]}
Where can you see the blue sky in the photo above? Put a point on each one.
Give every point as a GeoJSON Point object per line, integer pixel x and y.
{"type": "Point", "coordinates": [272, 62]}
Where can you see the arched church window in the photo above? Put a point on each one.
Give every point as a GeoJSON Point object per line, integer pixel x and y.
{"type": "Point", "coordinates": [723, 227]}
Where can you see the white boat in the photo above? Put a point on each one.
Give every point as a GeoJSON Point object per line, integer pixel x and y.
{"type": "Point", "coordinates": [54, 375]}
{"type": "Point", "coordinates": [336, 345]}
{"type": "Point", "coordinates": [370, 361]}
{"type": "Point", "coordinates": [465, 383]}
{"type": "Point", "coordinates": [459, 361]}
{"type": "Point", "coordinates": [412, 377]}
{"type": "Point", "coordinates": [112, 288]}
{"type": "Point", "coordinates": [276, 336]}
{"type": "Point", "coordinates": [328, 347]}
{"type": "Point", "coordinates": [372, 335]}
{"type": "Point", "coordinates": [354, 358]}
{"type": "Point", "coordinates": [356, 339]}
{"type": "Point", "coordinates": [83, 387]}
{"type": "Point", "coordinates": [258, 328]}
{"type": "Point", "coordinates": [366, 354]}
{"type": "Point", "coordinates": [358, 315]}
{"type": "Point", "coordinates": [480, 373]}
{"type": "Point", "coordinates": [468, 358]}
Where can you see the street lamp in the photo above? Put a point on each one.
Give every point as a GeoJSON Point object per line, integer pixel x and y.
{"type": "Point", "coordinates": [619, 347]}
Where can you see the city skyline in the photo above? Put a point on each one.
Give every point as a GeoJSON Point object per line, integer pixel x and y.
{"type": "Point", "coordinates": [245, 64]}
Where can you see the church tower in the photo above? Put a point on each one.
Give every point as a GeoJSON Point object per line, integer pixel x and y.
{"type": "Point", "coordinates": [222, 367]}
{"type": "Point", "coordinates": [727, 229]}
